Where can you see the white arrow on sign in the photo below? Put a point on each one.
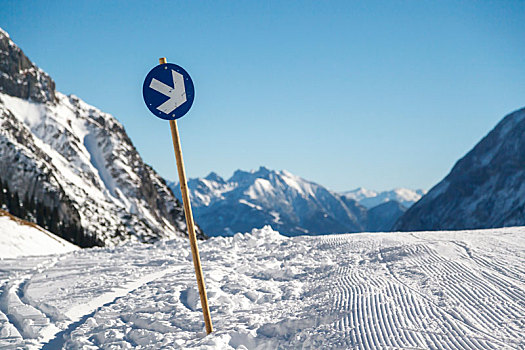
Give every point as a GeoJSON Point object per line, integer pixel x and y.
{"type": "Point", "coordinates": [176, 94]}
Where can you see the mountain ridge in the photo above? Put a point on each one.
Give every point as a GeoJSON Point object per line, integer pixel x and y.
{"type": "Point", "coordinates": [288, 202]}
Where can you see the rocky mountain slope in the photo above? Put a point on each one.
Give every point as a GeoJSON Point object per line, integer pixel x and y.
{"type": "Point", "coordinates": [71, 167]}
{"type": "Point", "coordinates": [382, 217]}
{"type": "Point", "coordinates": [485, 189]}
{"type": "Point", "coordinates": [294, 206]}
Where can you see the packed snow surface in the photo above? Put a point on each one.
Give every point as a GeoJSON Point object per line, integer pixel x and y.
{"type": "Point", "coordinates": [421, 290]}
{"type": "Point", "coordinates": [20, 238]}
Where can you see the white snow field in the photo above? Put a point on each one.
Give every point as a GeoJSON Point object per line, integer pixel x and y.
{"type": "Point", "coordinates": [422, 290]}
{"type": "Point", "coordinates": [20, 238]}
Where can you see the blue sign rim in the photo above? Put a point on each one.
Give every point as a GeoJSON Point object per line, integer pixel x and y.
{"type": "Point", "coordinates": [153, 98]}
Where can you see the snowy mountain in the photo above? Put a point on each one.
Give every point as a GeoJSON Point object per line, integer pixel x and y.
{"type": "Point", "coordinates": [398, 290]}
{"type": "Point", "coordinates": [486, 188]}
{"type": "Point", "coordinates": [253, 199]}
{"type": "Point", "coordinates": [370, 198]}
{"type": "Point", "coordinates": [294, 206]}
{"type": "Point", "coordinates": [21, 238]}
{"type": "Point", "coordinates": [72, 168]}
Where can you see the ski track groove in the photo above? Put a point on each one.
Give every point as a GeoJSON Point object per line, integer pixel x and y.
{"type": "Point", "coordinates": [26, 318]}
{"type": "Point", "coordinates": [61, 337]}
{"type": "Point", "coordinates": [458, 273]}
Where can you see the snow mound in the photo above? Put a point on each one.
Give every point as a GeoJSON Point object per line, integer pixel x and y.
{"type": "Point", "coordinates": [258, 236]}
{"type": "Point", "coordinates": [19, 238]}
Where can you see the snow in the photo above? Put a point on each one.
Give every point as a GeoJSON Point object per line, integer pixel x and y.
{"type": "Point", "coordinates": [19, 238]}
{"type": "Point", "coordinates": [4, 32]}
{"type": "Point", "coordinates": [97, 160]}
{"type": "Point", "coordinates": [371, 198]}
{"type": "Point", "coordinates": [424, 290]}
{"type": "Point", "coordinates": [251, 205]}
{"type": "Point", "coordinates": [260, 188]}
{"type": "Point", "coordinates": [30, 112]}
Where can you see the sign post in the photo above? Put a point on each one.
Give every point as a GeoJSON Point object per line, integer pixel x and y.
{"type": "Point", "coordinates": [180, 99]}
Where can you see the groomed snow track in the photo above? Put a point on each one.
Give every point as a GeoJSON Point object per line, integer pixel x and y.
{"type": "Point", "coordinates": [425, 290]}
{"type": "Point", "coordinates": [411, 297]}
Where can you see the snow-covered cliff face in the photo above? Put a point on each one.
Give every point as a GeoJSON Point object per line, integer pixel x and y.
{"type": "Point", "coordinates": [294, 206]}
{"type": "Point", "coordinates": [485, 189]}
{"type": "Point", "coordinates": [77, 162]}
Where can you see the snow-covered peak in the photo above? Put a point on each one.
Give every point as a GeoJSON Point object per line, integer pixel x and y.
{"type": "Point", "coordinates": [264, 183]}
{"type": "Point", "coordinates": [371, 198]}
{"type": "Point", "coordinates": [360, 193]}
{"type": "Point", "coordinates": [241, 176]}
{"type": "Point", "coordinates": [259, 184]}
{"type": "Point", "coordinates": [263, 170]}
{"type": "Point", "coordinates": [213, 176]}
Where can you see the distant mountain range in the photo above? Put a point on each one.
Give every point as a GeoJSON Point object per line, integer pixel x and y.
{"type": "Point", "coordinates": [485, 189]}
{"type": "Point", "coordinates": [290, 204]}
{"type": "Point", "coordinates": [71, 168]}
{"type": "Point", "coordinates": [370, 199]}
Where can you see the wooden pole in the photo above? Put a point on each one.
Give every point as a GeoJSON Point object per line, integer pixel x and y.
{"type": "Point", "coordinates": [189, 220]}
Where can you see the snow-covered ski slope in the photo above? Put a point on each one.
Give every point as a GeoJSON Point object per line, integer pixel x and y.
{"type": "Point", "coordinates": [421, 290]}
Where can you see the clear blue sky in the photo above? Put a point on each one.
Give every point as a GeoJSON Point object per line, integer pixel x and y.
{"type": "Point", "coordinates": [379, 94]}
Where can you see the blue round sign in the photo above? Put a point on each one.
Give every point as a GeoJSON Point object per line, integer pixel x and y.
{"type": "Point", "coordinates": [168, 91]}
